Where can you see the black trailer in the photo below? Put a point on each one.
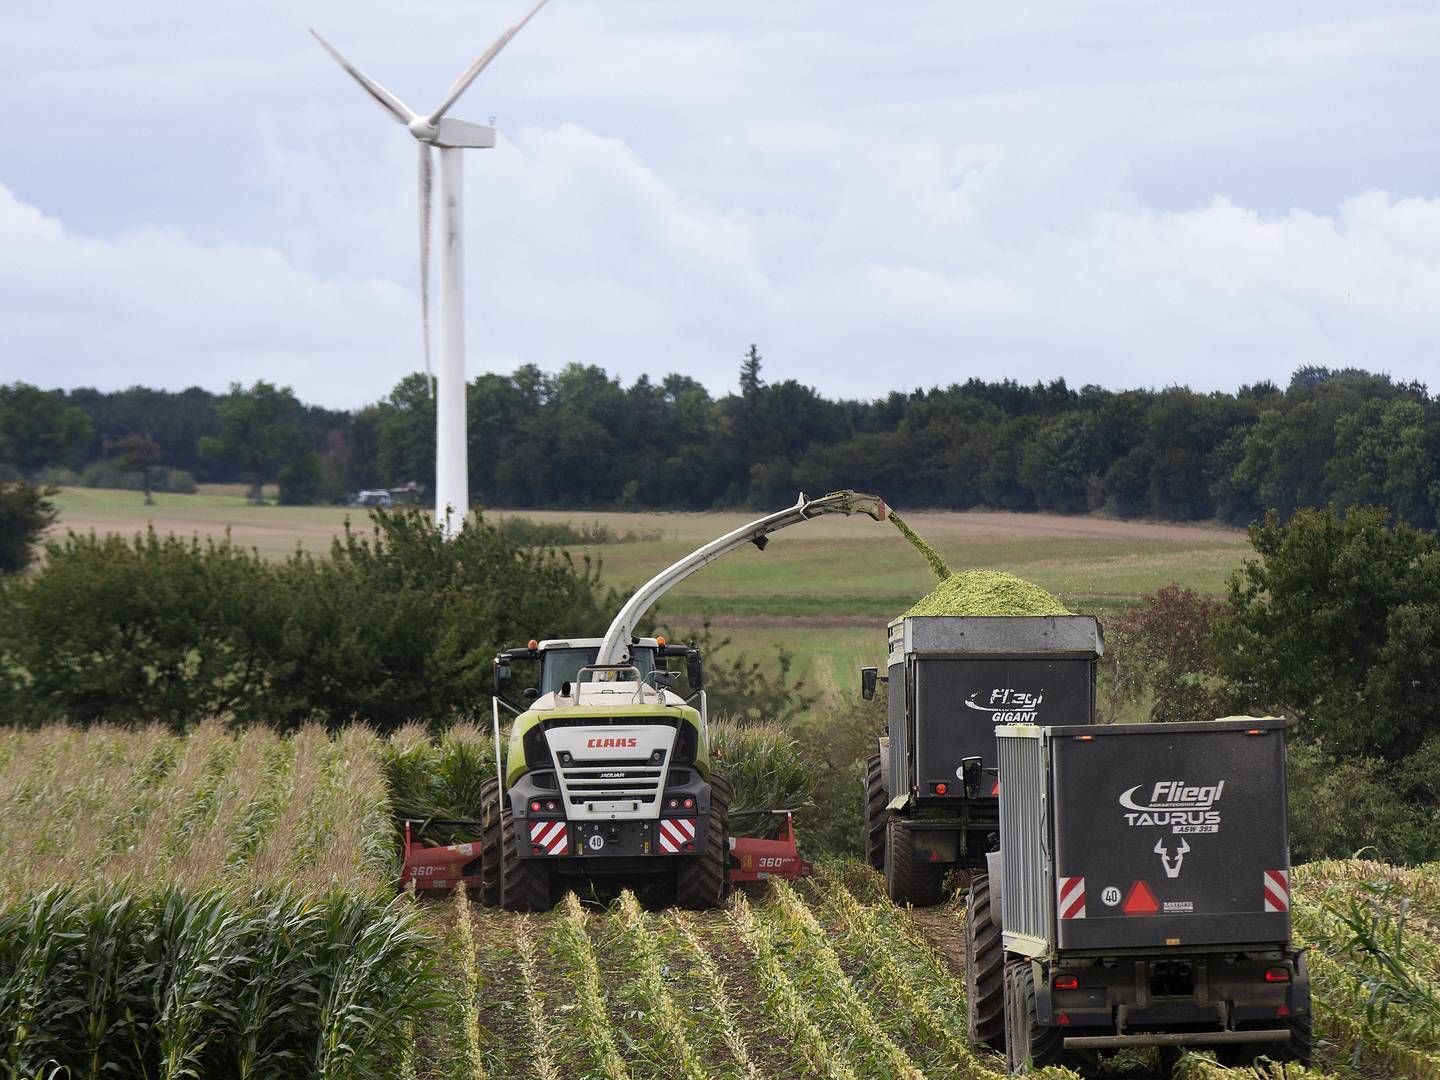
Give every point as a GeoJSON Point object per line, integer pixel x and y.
{"type": "Point", "coordinates": [931, 792]}
{"type": "Point", "coordinates": [1140, 896]}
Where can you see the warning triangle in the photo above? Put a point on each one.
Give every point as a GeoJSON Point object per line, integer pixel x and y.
{"type": "Point", "coordinates": [1140, 900]}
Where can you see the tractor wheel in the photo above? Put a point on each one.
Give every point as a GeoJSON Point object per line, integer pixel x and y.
{"type": "Point", "coordinates": [920, 884]}
{"type": "Point", "coordinates": [984, 969]}
{"type": "Point", "coordinates": [524, 883]}
{"type": "Point", "coordinates": [701, 878]}
{"type": "Point", "coordinates": [490, 842]}
{"type": "Point", "coordinates": [875, 813]}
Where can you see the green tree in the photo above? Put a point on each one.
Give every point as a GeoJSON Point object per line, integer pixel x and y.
{"type": "Point", "coordinates": [1338, 622]}
{"type": "Point", "coordinates": [260, 431]}
{"type": "Point", "coordinates": [25, 513]}
{"type": "Point", "coordinates": [139, 454]}
{"type": "Point", "coordinates": [39, 430]}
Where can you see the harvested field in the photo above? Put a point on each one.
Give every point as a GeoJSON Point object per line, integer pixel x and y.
{"type": "Point", "coordinates": [223, 905]}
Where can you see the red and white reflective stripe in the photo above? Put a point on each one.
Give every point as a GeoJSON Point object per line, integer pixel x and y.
{"type": "Point", "coordinates": [675, 833]}
{"type": "Point", "coordinates": [553, 837]}
{"type": "Point", "coordinates": [1276, 885]}
{"type": "Point", "coordinates": [1072, 897]}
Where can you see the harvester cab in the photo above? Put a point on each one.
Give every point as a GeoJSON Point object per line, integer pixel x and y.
{"type": "Point", "coordinates": [607, 773]}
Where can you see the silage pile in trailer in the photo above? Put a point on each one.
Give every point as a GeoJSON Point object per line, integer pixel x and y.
{"type": "Point", "coordinates": [976, 592]}
{"type": "Point", "coordinates": [213, 905]}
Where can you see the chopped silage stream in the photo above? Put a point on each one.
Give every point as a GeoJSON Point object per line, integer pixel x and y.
{"type": "Point", "coordinates": [975, 592]}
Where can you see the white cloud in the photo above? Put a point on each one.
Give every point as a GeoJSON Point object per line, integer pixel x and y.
{"type": "Point", "coordinates": [1114, 192]}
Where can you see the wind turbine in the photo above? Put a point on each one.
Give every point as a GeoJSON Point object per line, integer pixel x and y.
{"type": "Point", "coordinates": [452, 481]}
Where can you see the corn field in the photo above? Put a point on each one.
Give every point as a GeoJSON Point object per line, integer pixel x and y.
{"type": "Point", "coordinates": [224, 905]}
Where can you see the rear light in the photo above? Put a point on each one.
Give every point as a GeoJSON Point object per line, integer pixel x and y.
{"type": "Point", "coordinates": [552, 805]}
{"type": "Point", "coordinates": [1065, 982]}
{"type": "Point", "coordinates": [940, 789]}
{"type": "Point", "coordinates": [1277, 975]}
{"type": "Point", "coordinates": [689, 803]}
{"type": "Point", "coordinates": [673, 804]}
{"type": "Point", "coordinates": [535, 806]}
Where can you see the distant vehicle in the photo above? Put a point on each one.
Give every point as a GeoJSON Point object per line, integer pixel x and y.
{"type": "Point", "coordinates": [377, 497]}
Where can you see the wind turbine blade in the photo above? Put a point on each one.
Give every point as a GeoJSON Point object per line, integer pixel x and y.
{"type": "Point", "coordinates": [427, 171]}
{"type": "Point", "coordinates": [472, 73]}
{"type": "Point", "coordinates": [386, 100]}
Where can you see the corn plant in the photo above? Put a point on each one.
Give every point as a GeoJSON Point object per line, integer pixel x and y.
{"type": "Point", "coordinates": [466, 1001]}
{"type": "Point", "coordinates": [922, 995]}
{"type": "Point", "coordinates": [793, 1012]}
{"type": "Point", "coordinates": [570, 944]}
{"type": "Point", "coordinates": [813, 955]}
{"type": "Point", "coordinates": [665, 1029]}
{"type": "Point", "coordinates": [541, 1056]}
{"type": "Point", "coordinates": [766, 772]}
{"type": "Point", "coordinates": [714, 989]}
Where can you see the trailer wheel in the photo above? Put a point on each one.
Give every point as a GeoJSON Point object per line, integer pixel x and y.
{"type": "Point", "coordinates": [920, 884]}
{"type": "Point", "coordinates": [524, 883]}
{"type": "Point", "coordinates": [984, 969]}
{"type": "Point", "coordinates": [875, 813]}
{"type": "Point", "coordinates": [1300, 1049]}
{"type": "Point", "coordinates": [700, 879]}
{"type": "Point", "coordinates": [490, 842]}
{"type": "Point", "coordinates": [1030, 1043]}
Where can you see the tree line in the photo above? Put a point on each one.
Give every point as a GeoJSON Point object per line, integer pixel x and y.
{"type": "Point", "coordinates": [580, 438]}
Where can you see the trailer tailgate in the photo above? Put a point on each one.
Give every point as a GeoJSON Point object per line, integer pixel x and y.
{"type": "Point", "coordinates": [1169, 835]}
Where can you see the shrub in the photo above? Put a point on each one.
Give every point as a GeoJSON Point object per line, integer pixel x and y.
{"type": "Point", "coordinates": [25, 513]}
{"type": "Point", "coordinates": [395, 626]}
{"type": "Point", "coordinates": [834, 741]}
{"type": "Point", "coordinates": [742, 689]}
{"type": "Point", "coordinates": [178, 482]}
{"type": "Point", "coordinates": [1342, 806]}
{"type": "Point", "coordinates": [1160, 660]}
{"type": "Point", "coordinates": [57, 477]}
{"type": "Point", "coordinates": [1338, 621]}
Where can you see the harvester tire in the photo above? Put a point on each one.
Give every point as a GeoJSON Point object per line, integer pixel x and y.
{"type": "Point", "coordinates": [524, 883]}
{"type": "Point", "coordinates": [984, 969]}
{"type": "Point", "coordinates": [919, 884]}
{"type": "Point", "coordinates": [489, 892]}
{"type": "Point", "coordinates": [701, 878]}
{"type": "Point", "coordinates": [875, 813]}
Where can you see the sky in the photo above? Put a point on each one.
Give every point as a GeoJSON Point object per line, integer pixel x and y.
{"type": "Point", "coordinates": [881, 196]}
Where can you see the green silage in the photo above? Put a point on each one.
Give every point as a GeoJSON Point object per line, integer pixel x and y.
{"type": "Point", "coordinates": [987, 592]}
{"type": "Point", "coordinates": [976, 592]}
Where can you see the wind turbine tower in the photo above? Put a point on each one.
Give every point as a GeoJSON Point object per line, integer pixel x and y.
{"type": "Point", "coordinates": [450, 136]}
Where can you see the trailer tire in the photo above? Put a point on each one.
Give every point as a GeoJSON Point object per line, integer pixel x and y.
{"type": "Point", "coordinates": [524, 883]}
{"type": "Point", "coordinates": [1029, 1043]}
{"type": "Point", "coordinates": [490, 843]}
{"type": "Point", "coordinates": [701, 878]}
{"type": "Point", "coordinates": [875, 813]}
{"type": "Point", "coordinates": [919, 884]}
{"type": "Point", "coordinates": [1300, 1049]}
{"type": "Point", "coordinates": [984, 969]}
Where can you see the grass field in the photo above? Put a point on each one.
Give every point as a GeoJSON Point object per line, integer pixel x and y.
{"type": "Point", "coordinates": [222, 906]}
{"type": "Point", "coordinates": [824, 590]}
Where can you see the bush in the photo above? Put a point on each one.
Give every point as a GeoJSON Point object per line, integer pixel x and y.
{"type": "Point", "coordinates": [1338, 621]}
{"type": "Point", "coordinates": [25, 513]}
{"type": "Point", "coordinates": [56, 477]}
{"type": "Point", "coordinates": [395, 627]}
{"type": "Point", "coordinates": [1342, 806]}
{"type": "Point", "coordinates": [178, 482]}
{"type": "Point", "coordinates": [527, 532]}
{"type": "Point", "coordinates": [1160, 661]}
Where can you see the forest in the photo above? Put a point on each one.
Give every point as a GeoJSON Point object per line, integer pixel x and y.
{"type": "Point", "coordinates": [580, 438]}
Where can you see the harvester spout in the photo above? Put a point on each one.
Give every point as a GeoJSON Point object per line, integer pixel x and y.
{"type": "Point", "coordinates": [616, 644]}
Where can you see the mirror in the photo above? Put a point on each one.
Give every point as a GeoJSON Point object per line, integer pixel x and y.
{"type": "Point", "coordinates": [502, 677]}
{"type": "Point", "coordinates": [665, 679]}
{"type": "Point", "coordinates": [694, 670]}
{"type": "Point", "coordinates": [530, 693]}
{"type": "Point", "coordinates": [869, 676]}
